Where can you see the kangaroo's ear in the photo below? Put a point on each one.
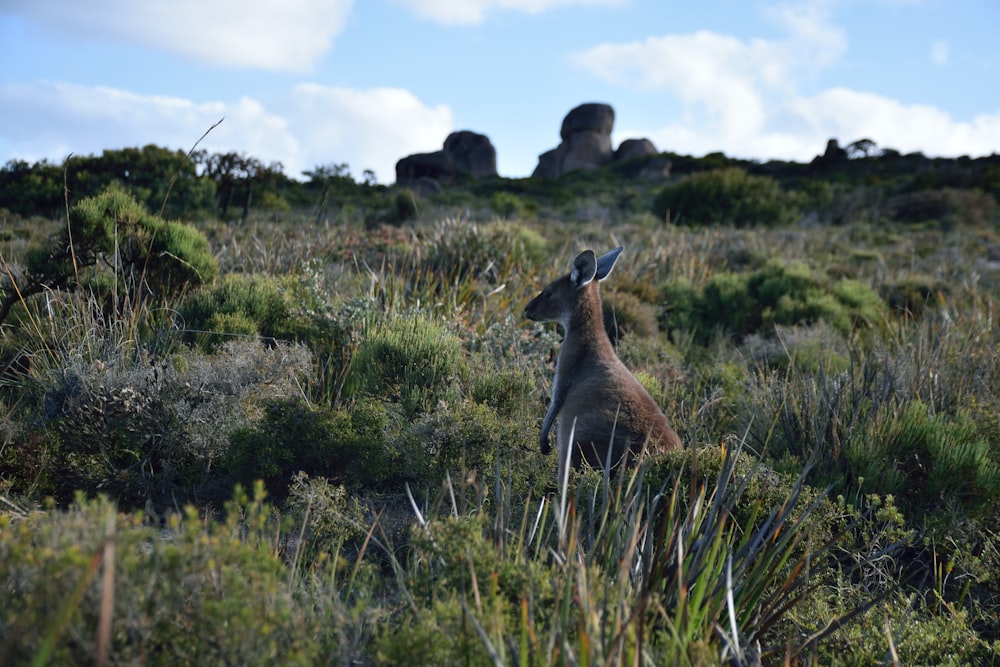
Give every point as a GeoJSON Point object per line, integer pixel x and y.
{"type": "Point", "coordinates": [607, 262]}
{"type": "Point", "coordinates": [584, 269]}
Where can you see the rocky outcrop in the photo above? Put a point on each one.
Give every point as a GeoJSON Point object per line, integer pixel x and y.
{"type": "Point", "coordinates": [631, 148]}
{"type": "Point", "coordinates": [586, 143]}
{"type": "Point", "coordinates": [464, 154]}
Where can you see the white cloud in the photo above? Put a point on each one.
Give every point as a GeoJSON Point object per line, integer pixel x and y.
{"type": "Point", "coordinates": [312, 125]}
{"type": "Point", "coordinates": [289, 35]}
{"type": "Point", "coordinates": [473, 12]}
{"type": "Point", "coordinates": [940, 53]}
{"type": "Point", "coordinates": [368, 129]}
{"type": "Point", "coordinates": [852, 115]}
{"type": "Point", "coordinates": [746, 97]}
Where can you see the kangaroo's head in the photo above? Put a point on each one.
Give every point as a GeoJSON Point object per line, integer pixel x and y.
{"type": "Point", "coordinates": [561, 298]}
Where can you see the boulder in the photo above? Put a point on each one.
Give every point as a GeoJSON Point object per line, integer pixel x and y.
{"type": "Point", "coordinates": [593, 117]}
{"type": "Point", "coordinates": [631, 148]}
{"type": "Point", "coordinates": [586, 142]}
{"type": "Point", "coordinates": [465, 153]}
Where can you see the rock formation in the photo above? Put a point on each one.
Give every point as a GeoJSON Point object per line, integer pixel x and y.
{"type": "Point", "coordinates": [465, 153]}
{"type": "Point", "coordinates": [586, 143]}
{"type": "Point", "coordinates": [631, 148]}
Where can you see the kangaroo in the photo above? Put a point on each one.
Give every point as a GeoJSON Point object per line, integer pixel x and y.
{"type": "Point", "coordinates": [599, 403]}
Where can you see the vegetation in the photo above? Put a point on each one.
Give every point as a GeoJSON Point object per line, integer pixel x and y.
{"type": "Point", "coordinates": [300, 427]}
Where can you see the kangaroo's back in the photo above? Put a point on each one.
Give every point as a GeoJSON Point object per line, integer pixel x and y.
{"type": "Point", "coordinates": [604, 412]}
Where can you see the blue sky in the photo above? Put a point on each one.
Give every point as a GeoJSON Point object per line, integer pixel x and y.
{"type": "Point", "coordinates": [367, 82]}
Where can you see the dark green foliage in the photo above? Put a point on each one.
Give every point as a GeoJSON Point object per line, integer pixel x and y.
{"type": "Point", "coordinates": [506, 391]}
{"type": "Point", "coordinates": [149, 432]}
{"type": "Point", "coordinates": [493, 251]}
{"type": "Point", "coordinates": [913, 294]}
{"type": "Point", "coordinates": [112, 239]}
{"type": "Point", "coordinates": [190, 592]}
{"type": "Point", "coordinates": [466, 438]}
{"type": "Point", "coordinates": [926, 458]}
{"type": "Point", "coordinates": [238, 304]}
{"type": "Point", "coordinates": [405, 206]}
{"type": "Point", "coordinates": [625, 314]}
{"type": "Point", "coordinates": [739, 304]}
{"type": "Point", "coordinates": [730, 196]}
{"type": "Point", "coordinates": [330, 515]}
{"type": "Point", "coordinates": [507, 205]}
{"type": "Point", "coordinates": [350, 447]}
{"type": "Point", "coordinates": [160, 179]}
{"type": "Point", "coordinates": [946, 206]}
{"type": "Point", "coordinates": [410, 360]}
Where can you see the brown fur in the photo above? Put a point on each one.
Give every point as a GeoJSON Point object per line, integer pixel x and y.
{"type": "Point", "coordinates": [594, 396]}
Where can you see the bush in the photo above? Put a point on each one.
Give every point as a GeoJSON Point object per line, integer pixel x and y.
{"type": "Point", "coordinates": [493, 251]}
{"type": "Point", "coordinates": [149, 431]}
{"type": "Point", "coordinates": [729, 196]}
{"type": "Point", "coordinates": [239, 304]}
{"type": "Point", "coordinates": [192, 592]}
{"type": "Point", "coordinates": [467, 438]}
{"type": "Point", "coordinates": [741, 304]}
{"type": "Point", "coordinates": [409, 360]}
{"type": "Point", "coordinates": [112, 240]}
{"type": "Point", "coordinates": [945, 206]}
{"type": "Point", "coordinates": [353, 447]}
{"type": "Point", "coordinates": [926, 459]}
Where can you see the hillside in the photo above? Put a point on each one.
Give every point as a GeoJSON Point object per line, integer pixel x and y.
{"type": "Point", "coordinates": [255, 420]}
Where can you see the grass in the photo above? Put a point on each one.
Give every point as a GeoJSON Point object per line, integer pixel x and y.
{"type": "Point", "coordinates": [382, 381]}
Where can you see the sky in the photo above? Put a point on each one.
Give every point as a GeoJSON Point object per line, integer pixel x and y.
{"type": "Point", "coordinates": [312, 83]}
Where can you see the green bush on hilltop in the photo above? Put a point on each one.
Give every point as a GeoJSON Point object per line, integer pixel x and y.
{"type": "Point", "coordinates": [729, 196]}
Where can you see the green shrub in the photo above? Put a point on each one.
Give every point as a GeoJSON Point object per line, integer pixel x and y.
{"type": "Point", "coordinates": [506, 390]}
{"type": "Point", "coordinates": [729, 196]}
{"type": "Point", "coordinates": [467, 437]}
{"type": "Point", "coordinates": [912, 294]}
{"type": "Point", "coordinates": [239, 304]}
{"type": "Point", "coordinates": [625, 314]}
{"type": "Point", "coordinates": [461, 249]}
{"type": "Point", "coordinates": [405, 206]}
{"type": "Point", "coordinates": [191, 592]}
{"type": "Point", "coordinates": [926, 459]}
{"type": "Point", "coordinates": [740, 304]}
{"type": "Point", "coordinates": [112, 240]}
{"type": "Point", "coordinates": [149, 431]}
{"type": "Point", "coordinates": [410, 360]}
{"type": "Point", "coordinates": [329, 518]}
{"type": "Point", "coordinates": [507, 205]}
{"type": "Point", "coordinates": [350, 447]}
{"type": "Point", "coordinates": [945, 206]}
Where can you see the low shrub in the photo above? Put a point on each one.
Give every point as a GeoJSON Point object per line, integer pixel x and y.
{"type": "Point", "coordinates": [740, 304]}
{"type": "Point", "coordinates": [193, 592]}
{"type": "Point", "coordinates": [355, 447]}
{"type": "Point", "coordinates": [494, 251]}
{"type": "Point", "coordinates": [926, 459]}
{"type": "Point", "coordinates": [113, 245]}
{"type": "Point", "coordinates": [410, 360]}
{"type": "Point", "coordinates": [944, 206]}
{"type": "Point", "coordinates": [147, 431]}
{"type": "Point", "coordinates": [246, 304]}
{"type": "Point", "coordinates": [729, 196]}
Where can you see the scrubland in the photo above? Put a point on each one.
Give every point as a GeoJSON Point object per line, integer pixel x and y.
{"type": "Point", "coordinates": [299, 439]}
